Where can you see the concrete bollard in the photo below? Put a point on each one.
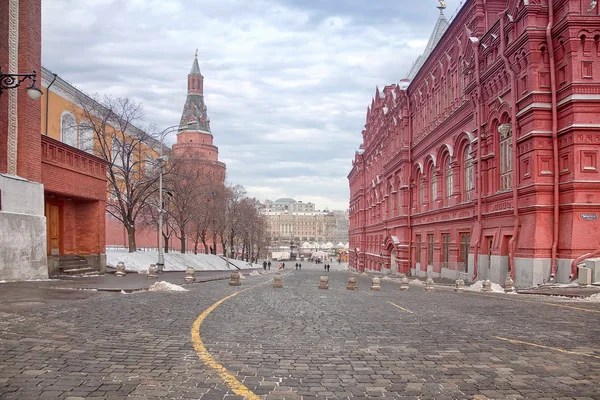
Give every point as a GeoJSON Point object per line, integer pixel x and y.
{"type": "Point", "coordinates": [487, 286]}
{"type": "Point", "coordinates": [152, 272]}
{"type": "Point", "coordinates": [429, 285]}
{"type": "Point", "coordinates": [460, 286]}
{"type": "Point", "coordinates": [324, 283]}
{"type": "Point", "coordinates": [375, 284]}
{"type": "Point", "coordinates": [234, 279]}
{"type": "Point", "coordinates": [404, 283]}
{"type": "Point", "coordinates": [277, 281]}
{"type": "Point", "coordinates": [120, 269]}
{"type": "Point", "coordinates": [189, 275]}
{"type": "Point", "coordinates": [509, 285]}
{"type": "Point", "coordinates": [351, 283]}
{"type": "Point", "coordinates": [584, 277]}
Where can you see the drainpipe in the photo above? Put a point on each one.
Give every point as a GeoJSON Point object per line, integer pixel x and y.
{"type": "Point", "coordinates": [48, 101]}
{"type": "Point", "coordinates": [512, 243]}
{"type": "Point", "coordinates": [554, 142]}
{"type": "Point", "coordinates": [475, 42]}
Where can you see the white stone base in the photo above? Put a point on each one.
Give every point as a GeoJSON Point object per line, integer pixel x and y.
{"type": "Point", "coordinates": [23, 232]}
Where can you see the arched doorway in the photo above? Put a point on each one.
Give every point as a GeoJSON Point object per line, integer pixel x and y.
{"type": "Point", "coordinates": [393, 262]}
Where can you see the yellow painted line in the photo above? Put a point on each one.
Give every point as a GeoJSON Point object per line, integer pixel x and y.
{"type": "Point", "coordinates": [402, 308]}
{"type": "Point", "coordinates": [514, 341]}
{"type": "Point", "coordinates": [236, 386]}
{"type": "Point", "coordinates": [511, 297]}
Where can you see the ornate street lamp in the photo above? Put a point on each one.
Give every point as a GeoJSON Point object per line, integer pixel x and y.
{"type": "Point", "coordinates": [11, 81]}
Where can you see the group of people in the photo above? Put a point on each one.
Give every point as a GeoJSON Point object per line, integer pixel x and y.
{"type": "Point", "coordinates": [299, 266]}
{"type": "Point", "coordinates": [326, 267]}
{"type": "Point", "coordinates": [267, 265]}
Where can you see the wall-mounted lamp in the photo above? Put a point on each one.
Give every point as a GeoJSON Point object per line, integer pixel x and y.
{"type": "Point", "coordinates": [11, 81]}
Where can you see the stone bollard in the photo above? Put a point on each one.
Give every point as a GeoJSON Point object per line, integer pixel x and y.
{"type": "Point", "coordinates": [404, 283]}
{"type": "Point", "coordinates": [152, 272]}
{"type": "Point", "coordinates": [509, 285]}
{"type": "Point", "coordinates": [487, 286]}
{"type": "Point", "coordinates": [189, 275]}
{"type": "Point", "coordinates": [324, 283]}
{"type": "Point", "coordinates": [120, 269]}
{"type": "Point", "coordinates": [277, 281]}
{"type": "Point", "coordinates": [375, 284]}
{"type": "Point", "coordinates": [234, 279]}
{"type": "Point", "coordinates": [460, 286]}
{"type": "Point", "coordinates": [351, 283]}
{"type": "Point", "coordinates": [429, 285]}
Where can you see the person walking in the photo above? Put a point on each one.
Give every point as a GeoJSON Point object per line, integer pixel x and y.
{"type": "Point", "coordinates": [328, 267]}
{"type": "Point", "coordinates": [300, 266]}
{"type": "Point", "coordinates": [265, 265]}
{"type": "Point", "coordinates": [269, 265]}
{"type": "Point", "coordinates": [283, 265]}
{"type": "Point", "coordinates": [296, 266]}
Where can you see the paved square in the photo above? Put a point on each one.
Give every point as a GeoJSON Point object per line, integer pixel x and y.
{"type": "Point", "coordinates": [301, 342]}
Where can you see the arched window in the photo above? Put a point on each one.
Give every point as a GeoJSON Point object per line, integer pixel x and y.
{"type": "Point", "coordinates": [86, 137]}
{"type": "Point", "coordinates": [449, 180]}
{"type": "Point", "coordinates": [432, 185]}
{"type": "Point", "coordinates": [390, 201]}
{"type": "Point", "coordinates": [68, 129]}
{"type": "Point", "coordinates": [468, 174]}
{"type": "Point", "coordinates": [506, 167]}
{"type": "Point", "coordinates": [421, 190]}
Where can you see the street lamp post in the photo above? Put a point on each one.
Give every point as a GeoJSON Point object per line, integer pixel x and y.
{"type": "Point", "coordinates": [161, 160]}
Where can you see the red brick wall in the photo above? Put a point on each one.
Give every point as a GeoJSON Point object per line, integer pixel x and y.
{"type": "Point", "coordinates": [4, 97]}
{"type": "Point", "coordinates": [29, 111]}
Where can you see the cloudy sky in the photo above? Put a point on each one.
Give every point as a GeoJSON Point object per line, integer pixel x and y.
{"type": "Point", "coordinates": [286, 82]}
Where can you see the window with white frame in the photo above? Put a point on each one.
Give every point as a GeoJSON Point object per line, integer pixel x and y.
{"type": "Point", "coordinates": [506, 167]}
{"type": "Point", "coordinates": [68, 129]}
{"type": "Point", "coordinates": [86, 137]}
{"type": "Point", "coordinates": [449, 181]}
{"type": "Point", "coordinates": [117, 152]}
{"type": "Point", "coordinates": [468, 174]}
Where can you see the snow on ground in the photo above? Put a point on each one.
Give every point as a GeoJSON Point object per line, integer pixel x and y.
{"type": "Point", "coordinates": [163, 286]}
{"type": "Point", "coordinates": [254, 273]}
{"type": "Point", "coordinates": [141, 260]}
{"type": "Point", "coordinates": [416, 282]}
{"type": "Point", "coordinates": [478, 286]}
{"type": "Point", "coordinates": [595, 298]}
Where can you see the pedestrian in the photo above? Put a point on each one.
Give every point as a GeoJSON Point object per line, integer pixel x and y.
{"type": "Point", "coordinates": [325, 266]}
{"type": "Point", "coordinates": [300, 266]}
{"type": "Point", "coordinates": [265, 265]}
{"type": "Point", "coordinates": [339, 261]}
{"type": "Point", "coordinates": [328, 267]}
{"type": "Point", "coordinates": [296, 266]}
{"type": "Point", "coordinates": [283, 265]}
{"type": "Point", "coordinates": [269, 265]}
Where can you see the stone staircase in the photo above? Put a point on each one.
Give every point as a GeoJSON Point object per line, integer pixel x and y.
{"type": "Point", "coordinates": [74, 266]}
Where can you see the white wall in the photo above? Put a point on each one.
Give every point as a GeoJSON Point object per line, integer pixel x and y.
{"type": "Point", "coordinates": [22, 230]}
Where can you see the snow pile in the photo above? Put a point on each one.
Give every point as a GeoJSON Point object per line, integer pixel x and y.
{"type": "Point", "coordinates": [478, 287]}
{"type": "Point", "coordinates": [254, 273]}
{"type": "Point", "coordinates": [595, 298]}
{"type": "Point", "coordinates": [140, 261]}
{"type": "Point", "coordinates": [163, 286]}
{"type": "Point", "coordinates": [386, 278]}
{"type": "Point", "coordinates": [416, 282]}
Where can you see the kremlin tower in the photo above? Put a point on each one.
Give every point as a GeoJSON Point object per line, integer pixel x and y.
{"type": "Point", "coordinates": [195, 140]}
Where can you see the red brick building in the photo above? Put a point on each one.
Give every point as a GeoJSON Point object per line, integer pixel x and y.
{"type": "Point", "coordinates": [51, 194]}
{"type": "Point", "coordinates": [483, 162]}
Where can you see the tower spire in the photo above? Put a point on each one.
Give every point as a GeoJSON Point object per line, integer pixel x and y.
{"type": "Point", "coordinates": [441, 6]}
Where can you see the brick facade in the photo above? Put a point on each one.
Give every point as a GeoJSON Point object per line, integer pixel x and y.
{"type": "Point", "coordinates": [447, 155]}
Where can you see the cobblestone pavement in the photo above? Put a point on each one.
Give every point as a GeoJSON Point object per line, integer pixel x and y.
{"type": "Point", "coordinates": [302, 342]}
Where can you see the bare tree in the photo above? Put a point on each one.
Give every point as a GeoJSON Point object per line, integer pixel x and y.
{"type": "Point", "coordinates": [112, 124]}
{"type": "Point", "coordinates": [189, 184]}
